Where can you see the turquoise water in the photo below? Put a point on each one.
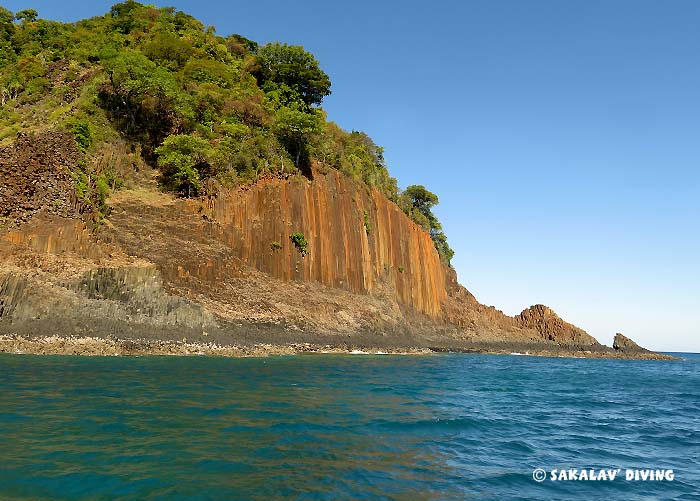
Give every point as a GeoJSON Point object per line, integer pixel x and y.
{"type": "Point", "coordinates": [328, 427]}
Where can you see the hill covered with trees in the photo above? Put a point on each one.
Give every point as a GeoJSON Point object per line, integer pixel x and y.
{"type": "Point", "coordinates": [154, 85]}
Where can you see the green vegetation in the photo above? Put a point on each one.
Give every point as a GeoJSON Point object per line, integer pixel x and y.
{"type": "Point", "coordinates": [299, 241]}
{"type": "Point", "coordinates": [209, 112]}
{"type": "Point", "coordinates": [275, 246]}
{"type": "Point", "coordinates": [417, 203]}
{"type": "Point", "coordinates": [93, 190]}
{"type": "Point", "coordinates": [368, 228]}
{"type": "Point", "coordinates": [292, 71]}
{"type": "Point", "coordinates": [400, 269]}
{"type": "Point", "coordinates": [81, 133]}
{"type": "Point", "coordinates": [183, 159]}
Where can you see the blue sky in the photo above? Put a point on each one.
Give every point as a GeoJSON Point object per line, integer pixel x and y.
{"type": "Point", "coordinates": [563, 139]}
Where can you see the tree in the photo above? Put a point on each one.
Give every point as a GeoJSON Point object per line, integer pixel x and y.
{"type": "Point", "coordinates": [238, 45]}
{"type": "Point", "coordinates": [122, 15]}
{"type": "Point", "coordinates": [7, 29]}
{"type": "Point", "coordinates": [294, 128]}
{"type": "Point", "coordinates": [124, 8]}
{"type": "Point", "coordinates": [6, 26]}
{"type": "Point", "coordinates": [208, 71]}
{"type": "Point", "coordinates": [27, 15]}
{"type": "Point", "coordinates": [129, 74]}
{"type": "Point", "coordinates": [10, 85]}
{"type": "Point", "coordinates": [444, 250]}
{"type": "Point", "coordinates": [183, 159]}
{"type": "Point", "coordinates": [291, 65]}
{"type": "Point", "coordinates": [421, 199]}
{"type": "Point", "coordinates": [146, 99]}
{"type": "Point", "coordinates": [417, 202]}
{"type": "Point", "coordinates": [168, 50]}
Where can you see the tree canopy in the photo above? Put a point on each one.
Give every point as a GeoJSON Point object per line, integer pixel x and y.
{"type": "Point", "coordinates": [28, 15]}
{"type": "Point", "coordinates": [417, 202]}
{"type": "Point", "coordinates": [293, 67]}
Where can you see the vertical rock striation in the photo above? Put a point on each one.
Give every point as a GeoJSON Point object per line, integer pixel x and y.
{"type": "Point", "coordinates": [390, 254]}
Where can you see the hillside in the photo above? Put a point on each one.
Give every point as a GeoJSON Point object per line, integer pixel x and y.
{"type": "Point", "coordinates": [161, 182]}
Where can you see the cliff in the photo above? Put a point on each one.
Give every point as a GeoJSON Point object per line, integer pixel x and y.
{"type": "Point", "coordinates": [358, 241]}
{"type": "Point", "coordinates": [224, 268]}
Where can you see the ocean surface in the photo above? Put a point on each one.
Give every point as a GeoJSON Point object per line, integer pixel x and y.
{"type": "Point", "coordinates": [345, 427]}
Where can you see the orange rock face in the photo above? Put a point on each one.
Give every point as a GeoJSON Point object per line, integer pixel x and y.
{"type": "Point", "coordinates": [357, 239]}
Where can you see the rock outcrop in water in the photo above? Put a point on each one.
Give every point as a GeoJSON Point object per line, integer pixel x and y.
{"type": "Point", "coordinates": [223, 269]}
{"type": "Point", "coordinates": [552, 328]}
{"type": "Point", "coordinates": [625, 345]}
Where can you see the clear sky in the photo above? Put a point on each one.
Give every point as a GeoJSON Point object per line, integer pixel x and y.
{"type": "Point", "coordinates": [563, 138]}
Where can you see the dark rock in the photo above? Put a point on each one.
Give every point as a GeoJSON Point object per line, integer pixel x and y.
{"type": "Point", "coordinates": [36, 174]}
{"type": "Point", "coordinates": [625, 344]}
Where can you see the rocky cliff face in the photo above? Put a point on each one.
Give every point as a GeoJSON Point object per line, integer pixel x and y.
{"type": "Point", "coordinates": [227, 262]}
{"type": "Point", "coordinates": [358, 240]}
{"type": "Point", "coordinates": [35, 176]}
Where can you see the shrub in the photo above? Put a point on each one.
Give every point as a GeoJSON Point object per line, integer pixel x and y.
{"type": "Point", "coordinates": [275, 246]}
{"type": "Point", "coordinates": [183, 159]}
{"type": "Point", "coordinates": [82, 135]}
{"type": "Point", "coordinates": [299, 241]}
{"type": "Point", "coordinates": [82, 186]}
{"type": "Point", "coordinates": [102, 191]}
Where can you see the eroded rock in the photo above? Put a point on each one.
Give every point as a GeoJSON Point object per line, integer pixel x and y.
{"type": "Point", "coordinates": [625, 344]}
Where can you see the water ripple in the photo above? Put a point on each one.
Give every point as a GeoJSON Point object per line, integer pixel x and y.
{"type": "Point", "coordinates": [328, 427]}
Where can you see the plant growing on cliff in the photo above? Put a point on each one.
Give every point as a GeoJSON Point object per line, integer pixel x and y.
{"type": "Point", "coordinates": [82, 186]}
{"type": "Point", "coordinates": [92, 191]}
{"type": "Point", "coordinates": [275, 246]}
{"type": "Point", "coordinates": [368, 228]}
{"type": "Point", "coordinates": [82, 135]}
{"type": "Point", "coordinates": [417, 202]}
{"type": "Point", "coordinates": [299, 241]}
{"type": "Point", "coordinates": [102, 191]}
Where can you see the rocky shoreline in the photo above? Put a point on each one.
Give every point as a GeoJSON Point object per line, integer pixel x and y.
{"type": "Point", "coordinates": [165, 276]}
{"type": "Point", "coordinates": [112, 346]}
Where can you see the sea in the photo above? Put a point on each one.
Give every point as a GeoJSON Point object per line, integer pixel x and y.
{"type": "Point", "coordinates": [447, 426]}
